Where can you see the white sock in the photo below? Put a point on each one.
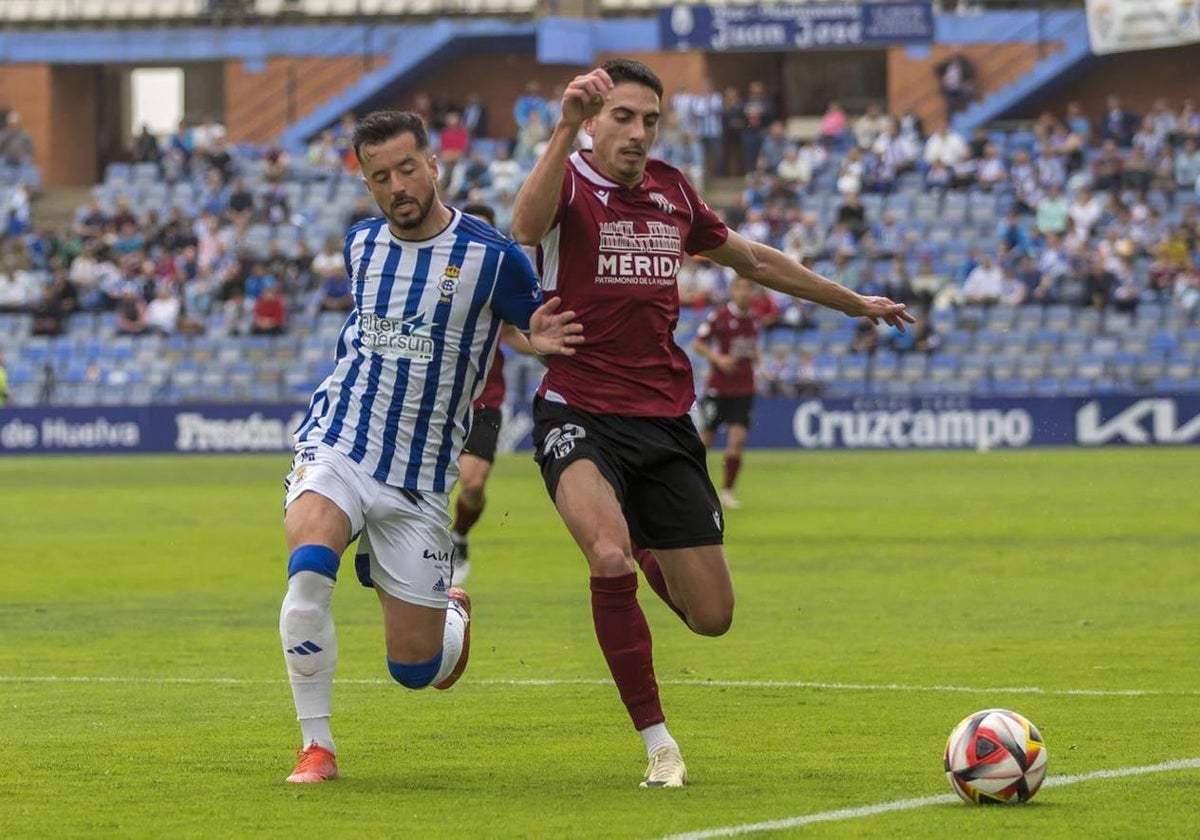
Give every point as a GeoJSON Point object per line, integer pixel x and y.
{"type": "Point", "coordinates": [316, 731]}
{"type": "Point", "coordinates": [310, 652]}
{"type": "Point", "coordinates": [452, 642]}
{"type": "Point", "coordinates": [656, 737]}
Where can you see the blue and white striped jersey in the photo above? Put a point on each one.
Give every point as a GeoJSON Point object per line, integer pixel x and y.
{"type": "Point", "coordinates": [413, 354]}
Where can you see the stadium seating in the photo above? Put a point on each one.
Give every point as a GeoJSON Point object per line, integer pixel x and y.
{"type": "Point", "coordinates": [88, 363]}
{"type": "Point", "coordinates": [984, 351]}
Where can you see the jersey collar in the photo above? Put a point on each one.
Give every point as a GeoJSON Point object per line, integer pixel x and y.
{"type": "Point", "coordinates": [455, 218]}
{"type": "Point", "coordinates": [584, 167]}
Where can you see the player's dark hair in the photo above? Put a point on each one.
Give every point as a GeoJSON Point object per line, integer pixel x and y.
{"type": "Point", "coordinates": [381, 126]}
{"type": "Point", "coordinates": [483, 211]}
{"type": "Point", "coordinates": [627, 70]}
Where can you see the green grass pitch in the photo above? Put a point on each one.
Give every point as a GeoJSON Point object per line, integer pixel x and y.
{"type": "Point", "coordinates": [881, 598]}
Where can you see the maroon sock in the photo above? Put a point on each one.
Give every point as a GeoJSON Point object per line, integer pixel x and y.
{"type": "Point", "coordinates": [733, 463]}
{"type": "Point", "coordinates": [464, 517]}
{"type": "Point", "coordinates": [624, 638]}
{"type": "Point", "coordinates": [654, 576]}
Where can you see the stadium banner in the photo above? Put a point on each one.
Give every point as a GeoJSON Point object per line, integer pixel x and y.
{"type": "Point", "coordinates": [152, 428]}
{"type": "Point", "coordinates": [1123, 25]}
{"type": "Point", "coordinates": [794, 26]}
{"type": "Point", "coordinates": [779, 423]}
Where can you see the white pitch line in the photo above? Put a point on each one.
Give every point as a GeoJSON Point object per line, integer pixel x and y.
{"type": "Point", "coordinates": [923, 802]}
{"type": "Point", "coordinates": [819, 686]}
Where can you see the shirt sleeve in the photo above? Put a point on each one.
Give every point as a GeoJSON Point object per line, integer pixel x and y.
{"type": "Point", "coordinates": [707, 231]}
{"type": "Point", "coordinates": [566, 195]}
{"type": "Point", "coordinates": [346, 254]}
{"type": "Point", "coordinates": [518, 292]}
{"type": "Point", "coordinates": [705, 331]}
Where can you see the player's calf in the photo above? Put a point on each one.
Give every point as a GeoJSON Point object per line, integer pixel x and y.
{"type": "Point", "coordinates": [305, 621]}
{"type": "Point", "coordinates": [444, 669]}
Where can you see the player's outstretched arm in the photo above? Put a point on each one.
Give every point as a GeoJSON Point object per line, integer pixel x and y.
{"type": "Point", "coordinates": [553, 333]}
{"type": "Point", "coordinates": [775, 270]}
{"type": "Point", "coordinates": [537, 201]}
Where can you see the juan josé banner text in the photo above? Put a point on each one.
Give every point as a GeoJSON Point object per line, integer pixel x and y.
{"type": "Point", "coordinates": [792, 26]}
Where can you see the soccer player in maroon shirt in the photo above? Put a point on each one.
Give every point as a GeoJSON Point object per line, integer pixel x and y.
{"type": "Point", "coordinates": [619, 455]}
{"type": "Point", "coordinates": [479, 451]}
{"type": "Point", "coordinates": [729, 340]}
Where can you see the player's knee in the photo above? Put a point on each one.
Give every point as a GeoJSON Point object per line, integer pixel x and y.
{"type": "Point", "coordinates": [609, 560]}
{"type": "Point", "coordinates": [415, 675]}
{"type": "Point", "coordinates": [714, 620]}
{"type": "Point", "coordinates": [319, 559]}
{"type": "Point", "coordinates": [471, 491]}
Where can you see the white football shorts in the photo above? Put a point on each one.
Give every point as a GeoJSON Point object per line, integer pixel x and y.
{"type": "Point", "coordinates": [405, 533]}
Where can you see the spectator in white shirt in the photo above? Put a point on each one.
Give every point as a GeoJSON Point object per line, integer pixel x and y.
{"type": "Point", "coordinates": [992, 171]}
{"type": "Point", "coordinates": [1187, 165]}
{"type": "Point", "coordinates": [793, 170]}
{"type": "Point", "coordinates": [162, 313]}
{"type": "Point", "coordinates": [1086, 211]}
{"type": "Point", "coordinates": [504, 171]}
{"type": "Point", "coordinates": [946, 147]}
{"type": "Point", "coordinates": [804, 240]}
{"type": "Point", "coordinates": [985, 283]}
{"type": "Point", "coordinates": [870, 126]}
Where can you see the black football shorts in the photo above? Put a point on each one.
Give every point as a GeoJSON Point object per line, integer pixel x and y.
{"type": "Point", "coordinates": [717, 411]}
{"type": "Point", "coordinates": [655, 465]}
{"type": "Point", "coordinates": [485, 432]}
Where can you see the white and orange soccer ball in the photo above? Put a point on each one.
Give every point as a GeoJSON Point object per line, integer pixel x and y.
{"type": "Point", "coordinates": [995, 757]}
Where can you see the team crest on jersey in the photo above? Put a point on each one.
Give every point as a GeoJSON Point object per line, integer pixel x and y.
{"type": "Point", "coordinates": [448, 285]}
{"type": "Point", "coordinates": [662, 202]}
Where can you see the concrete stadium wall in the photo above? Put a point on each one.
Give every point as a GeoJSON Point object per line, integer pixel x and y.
{"type": "Point", "coordinates": [1138, 77]}
{"type": "Point", "coordinates": [257, 106]}
{"type": "Point", "coordinates": [58, 105]}
{"type": "Point", "coordinates": [912, 82]}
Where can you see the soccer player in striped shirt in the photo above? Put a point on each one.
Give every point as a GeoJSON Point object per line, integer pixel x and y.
{"type": "Point", "coordinates": [619, 455]}
{"type": "Point", "coordinates": [377, 453]}
{"type": "Point", "coordinates": [479, 451]}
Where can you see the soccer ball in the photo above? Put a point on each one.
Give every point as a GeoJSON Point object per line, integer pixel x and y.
{"type": "Point", "coordinates": [995, 757]}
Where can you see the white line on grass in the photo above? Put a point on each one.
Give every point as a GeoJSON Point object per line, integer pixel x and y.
{"type": "Point", "coordinates": [923, 802]}
{"type": "Point", "coordinates": [820, 686]}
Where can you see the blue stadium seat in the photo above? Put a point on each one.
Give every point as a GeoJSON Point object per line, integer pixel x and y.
{"type": "Point", "coordinates": [854, 368]}
{"type": "Point", "coordinates": [943, 367]}
{"type": "Point", "coordinates": [894, 387]}
{"type": "Point", "coordinates": [1047, 386]}
{"type": "Point", "coordinates": [884, 365]}
{"type": "Point", "coordinates": [1150, 366]}
{"type": "Point", "coordinates": [1078, 386]}
{"type": "Point", "coordinates": [1163, 341]}
{"type": "Point", "coordinates": [1015, 387]}
{"type": "Point", "coordinates": [118, 174]}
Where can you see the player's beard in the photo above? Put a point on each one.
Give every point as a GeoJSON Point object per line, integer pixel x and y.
{"type": "Point", "coordinates": [631, 169]}
{"type": "Point", "coordinates": [415, 211]}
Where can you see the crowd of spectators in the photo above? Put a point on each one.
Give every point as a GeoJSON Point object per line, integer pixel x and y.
{"type": "Point", "coordinates": [1093, 213]}
{"type": "Point", "coordinates": [1096, 211]}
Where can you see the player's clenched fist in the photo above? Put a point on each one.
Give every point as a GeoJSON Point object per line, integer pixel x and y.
{"type": "Point", "coordinates": [584, 97]}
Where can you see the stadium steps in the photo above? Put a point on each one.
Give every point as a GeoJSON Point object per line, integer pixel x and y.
{"type": "Point", "coordinates": [417, 50]}
{"type": "Point", "coordinates": [1066, 27]}
{"type": "Point", "coordinates": [56, 207]}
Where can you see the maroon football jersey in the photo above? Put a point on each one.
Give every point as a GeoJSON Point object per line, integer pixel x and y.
{"type": "Point", "coordinates": [492, 395]}
{"type": "Point", "coordinates": [612, 256]}
{"type": "Point", "coordinates": [735, 334]}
